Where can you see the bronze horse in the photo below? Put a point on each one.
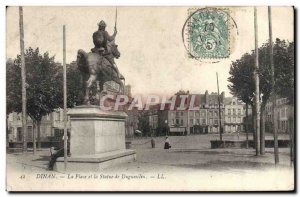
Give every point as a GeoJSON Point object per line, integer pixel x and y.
{"type": "Point", "coordinates": [98, 68]}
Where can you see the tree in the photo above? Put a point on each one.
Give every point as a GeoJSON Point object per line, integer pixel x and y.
{"type": "Point", "coordinates": [285, 80]}
{"type": "Point", "coordinates": [13, 82]}
{"type": "Point", "coordinates": [242, 84]}
{"type": "Point", "coordinates": [241, 71]}
{"type": "Point", "coordinates": [44, 86]}
{"type": "Point", "coordinates": [75, 86]}
{"type": "Point", "coordinates": [284, 63]}
{"type": "Point", "coordinates": [11, 71]}
{"type": "Point", "coordinates": [143, 124]}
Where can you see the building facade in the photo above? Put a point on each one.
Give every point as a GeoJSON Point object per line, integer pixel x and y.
{"type": "Point", "coordinates": [235, 113]}
{"type": "Point", "coordinates": [283, 115]}
{"type": "Point", "coordinates": [205, 119]}
{"type": "Point", "coordinates": [51, 128]}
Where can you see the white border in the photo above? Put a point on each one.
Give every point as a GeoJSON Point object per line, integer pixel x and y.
{"type": "Point", "coordinates": [104, 3]}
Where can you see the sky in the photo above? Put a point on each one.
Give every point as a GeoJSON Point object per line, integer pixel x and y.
{"type": "Point", "coordinates": [153, 58]}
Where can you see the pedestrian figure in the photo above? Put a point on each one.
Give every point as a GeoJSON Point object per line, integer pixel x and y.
{"type": "Point", "coordinates": [53, 158]}
{"type": "Point", "coordinates": [167, 143]}
{"type": "Point", "coordinates": [152, 143]}
{"type": "Point", "coordinates": [59, 151]}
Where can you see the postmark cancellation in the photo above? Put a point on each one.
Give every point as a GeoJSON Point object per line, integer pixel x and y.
{"type": "Point", "coordinates": [206, 33]}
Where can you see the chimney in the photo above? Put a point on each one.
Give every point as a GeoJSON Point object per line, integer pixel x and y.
{"type": "Point", "coordinates": [222, 96]}
{"type": "Point", "coordinates": [206, 97]}
{"type": "Point", "coordinates": [127, 90]}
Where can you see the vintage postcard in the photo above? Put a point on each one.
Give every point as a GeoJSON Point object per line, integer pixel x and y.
{"type": "Point", "coordinates": [150, 98]}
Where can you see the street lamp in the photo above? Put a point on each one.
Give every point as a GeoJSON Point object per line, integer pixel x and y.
{"type": "Point", "coordinates": [166, 125]}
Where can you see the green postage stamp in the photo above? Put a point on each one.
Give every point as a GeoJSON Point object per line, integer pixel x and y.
{"type": "Point", "coordinates": [208, 33]}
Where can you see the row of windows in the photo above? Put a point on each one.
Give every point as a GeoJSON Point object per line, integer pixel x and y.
{"type": "Point", "coordinates": [283, 125]}
{"type": "Point", "coordinates": [195, 121]}
{"type": "Point", "coordinates": [233, 120]}
{"type": "Point", "coordinates": [19, 132]}
{"type": "Point", "coordinates": [18, 117]}
{"type": "Point", "coordinates": [176, 121]}
{"type": "Point", "coordinates": [216, 105]}
{"type": "Point", "coordinates": [234, 128]}
{"type": "Point", "coordinates": [269, 108]}
{"type": "Point", "coordinates": [281, 101]}
{"type": "Point", "coordinates": [197, 113]}
{"type": "Point", "coordinates": [282, 113]}
{"type": "Point", "coordinates": [234, 112]}
{"type": "Point", "coordinates": [177, 114]}
{"type": "Point", "coordinates": [15, 116]}
{"type": "Point", "coordinates": [269, 118]}
{"type": "Point", "coordinates": [278, 102]}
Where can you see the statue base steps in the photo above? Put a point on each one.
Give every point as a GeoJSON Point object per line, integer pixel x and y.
{"type": "Point", "coordinates": [96, 162]}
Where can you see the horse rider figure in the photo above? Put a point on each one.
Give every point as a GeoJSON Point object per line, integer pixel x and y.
{"type": "Point", "coordinates": [100, 39]}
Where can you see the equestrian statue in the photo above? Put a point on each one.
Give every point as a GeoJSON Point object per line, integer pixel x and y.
{"type": "Point", "coordinates": [99, 64]}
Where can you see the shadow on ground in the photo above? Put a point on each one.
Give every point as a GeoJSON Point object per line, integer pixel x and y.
{"type": "Point", "coordinates": [211, 152]}
{"type": "Point", "coordinates": [219, 165]}
{"type": "Point", "coordinates": [42, 158]}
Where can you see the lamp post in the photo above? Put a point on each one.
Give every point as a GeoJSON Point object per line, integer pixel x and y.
{"type": "Point", "coordinates": [256, 78]}
{"type": "Point", "coordinates": [65, 100]}
{"type": "Point", "coordinates": [23, 74]}
{"type": "Point", "coordinates": [273, 95]}
{"type": "Point", "coordinates": [219, 102]}
{"type": "Point", "coordinates": [166, 125]}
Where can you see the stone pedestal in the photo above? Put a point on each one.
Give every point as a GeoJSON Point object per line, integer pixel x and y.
{"type": "Point", "coordinates": [97, 139]}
